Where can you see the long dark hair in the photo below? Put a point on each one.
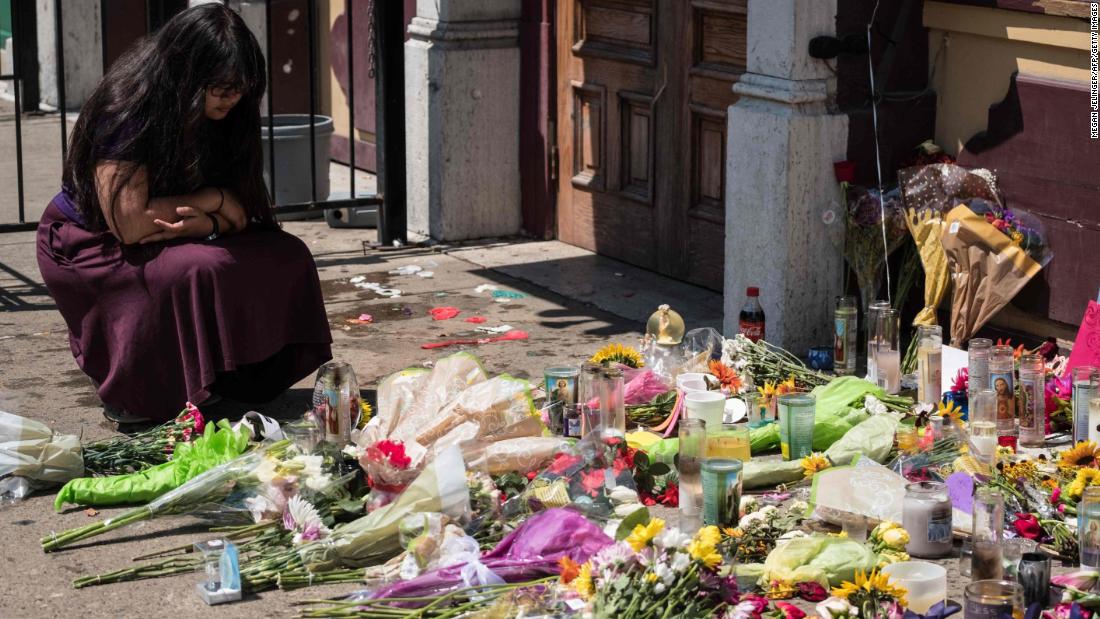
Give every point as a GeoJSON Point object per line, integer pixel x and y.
{"type": "Point", "coordinates": [149, 110]}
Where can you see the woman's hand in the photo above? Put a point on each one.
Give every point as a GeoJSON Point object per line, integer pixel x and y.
{"type": "Point", "coordinates": [232, 211]}
{"type": "Point", "coordinates": [194, 223]}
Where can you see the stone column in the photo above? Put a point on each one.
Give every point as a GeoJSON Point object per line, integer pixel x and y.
{"type": "Point", "coordinates": [780, 183]}
{"type": "Point", "coordinates": [462, 119]}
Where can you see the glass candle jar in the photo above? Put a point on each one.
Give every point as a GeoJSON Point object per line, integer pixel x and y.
{"type": "Point", "coordinates": [1085, 381]}
{"type": "Point", "coordinates": [1094, 420]}
{"type": "Point", "coordinates": [753, 412]}
{"type": "Point", "coordinates": [1002, 378]}
{"type": "Point", "coordinates": [929, 363]}
{"type": "Point", "coordinates": [987, 535]}
{"type": "Point", "coordinates": [873, 337]}
{"type": "Point", "coordinates": [336, 401]}
{"type": "Point", "coordinates": [796, 425]}
{"type": "Point", "coordinates": [730, 442]}
{"type": "Point", "coordinates": [977, 365]}
{"type": "Point", "coordinates": [845, 336]}
{"type": "Point", "coordinates": [887, 352]}
{"type": "Point", "coordinates": [612, 405]}
{"type": "Point", "coordinates": [925, 583]}
{"type": "Point", "coordinates": [926, 514]}
{"type": "Point", "coordinates": [1088, 528]}
{"type": "Point", "coordinates": [993, 599]}
{"type": "Point", "coordinates": [721, 481]}
{"type": "Point", "coordinates": [1032, 402]}
{"type": "Point", "coordinates": [983, 425]}
{"type": "Point", "coordinates": [693, 445]}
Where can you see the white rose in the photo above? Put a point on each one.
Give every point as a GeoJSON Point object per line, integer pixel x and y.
{"type": "Point", "coordinates": [624, 510]}
{"type": "Point", "coordinates": [623, 494]}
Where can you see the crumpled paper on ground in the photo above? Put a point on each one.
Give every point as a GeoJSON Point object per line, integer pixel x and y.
{"type": "Point", "coordinates": [30, 449]}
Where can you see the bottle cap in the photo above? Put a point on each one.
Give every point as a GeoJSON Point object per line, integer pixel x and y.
{"type": "Point", "coordinates": [752, 291]}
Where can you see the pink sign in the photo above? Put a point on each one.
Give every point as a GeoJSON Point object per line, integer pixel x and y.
{"type": "Point", "coordinates": [1086, 348]}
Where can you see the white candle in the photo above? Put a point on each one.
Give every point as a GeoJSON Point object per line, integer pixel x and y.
{"type": "Point", "coordinates": [888, 369]}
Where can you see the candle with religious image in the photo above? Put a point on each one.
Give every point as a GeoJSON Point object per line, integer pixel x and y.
{"type": "Point", "coordinates": [1002, 378]}
{"type": "Point", "coordinates": [1085, 381]}
{"type": "Point", "coordinates": [1032, 407]}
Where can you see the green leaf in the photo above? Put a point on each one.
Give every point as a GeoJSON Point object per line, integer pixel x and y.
{"type": "Point", "coordinates": [659, 469]}
{"type": "Point", "coordinates": [637, 517]}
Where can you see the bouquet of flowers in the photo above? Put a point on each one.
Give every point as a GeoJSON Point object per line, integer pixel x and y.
{"type": "Point", "coordinates": [136, 452]}
{"type": "Point", "coordinates": [655, 570]}
{"type": "Point", "coordinates": [870, 596]}
{"type": "Point", "coordinates": [254, 487]}
{"type": "Point", "coordinates": [595, 476]}
{"type": "Point", "coordinates": [219, 444]}
{"type": "Point", "coordinates": [760, 529]}
{"type": "Point", "coordinates": [990, 259]}
{"type": "Point", "coordinates": [863, 242]}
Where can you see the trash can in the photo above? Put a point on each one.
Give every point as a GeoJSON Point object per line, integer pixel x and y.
{"type": "Point", "coordinates": [292, 180]}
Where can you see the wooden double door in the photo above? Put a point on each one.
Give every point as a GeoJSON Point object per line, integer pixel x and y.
{"type": "Point", "coordinates": [642, 92]}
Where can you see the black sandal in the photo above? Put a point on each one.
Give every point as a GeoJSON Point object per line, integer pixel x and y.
{"type": "Point", "coordinates": [122, 417]}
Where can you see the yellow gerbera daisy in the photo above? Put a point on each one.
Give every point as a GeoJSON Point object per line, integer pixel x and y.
{"type": "Point", "coordinates": [582, 584]}
{"type": "Point", "coordinates": [642, 534]}
{"type": "Point", "coordinates": [1085, 453]}
{"type": "Point", "coordinates": [618, 353]}
{"type": "Point", "coordinates": [708, 535]}
{"type": "Point", "coordinates": [767, 392]}
{"type": "Point", "coordinates": [705, 553]}
{"type": "Point", "coordinates": [813, 463]}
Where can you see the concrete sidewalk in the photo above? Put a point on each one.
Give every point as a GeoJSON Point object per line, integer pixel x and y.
{"type": "Point", "coordinates": [573, 303]}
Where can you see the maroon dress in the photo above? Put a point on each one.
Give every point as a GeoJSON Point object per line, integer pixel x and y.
{"type": "Point", "coordinates": [160, 324]}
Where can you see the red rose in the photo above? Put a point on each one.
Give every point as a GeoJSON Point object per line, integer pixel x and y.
{"type": "Point", "coordinates": [592, 481]}
{"type": "Point", "coordinates": [812, 591]}
{"type": "Point", "coordinates": [790, 611]}
{"type": "Point", "coordinates": [845, 171]}
{"type": "Point", "coordinates": [671, 496]}
{"type": "Point", "coordinates": [1027, 525]}
{"type": "Point", "coordinates": [561, 462]}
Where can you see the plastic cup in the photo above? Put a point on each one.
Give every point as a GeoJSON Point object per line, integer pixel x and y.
{"type": "Point", "coordinates": [708, 406]}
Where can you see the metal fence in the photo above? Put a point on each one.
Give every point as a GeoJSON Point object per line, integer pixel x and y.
{"type": "Point", "coordinates": [385, 63]}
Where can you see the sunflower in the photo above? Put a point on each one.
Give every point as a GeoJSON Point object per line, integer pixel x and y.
{"type": "Point", "coordinates": [642, 534]}
{"type": "Point", "coordinates": [873, 583]}
{"type": "Point", "coordinates": [1083, 454]}
{"type": "Point", "coordinates": [582, 584]}
{"type": "Point", "coordinates": [813, 463]}
{"type": "Point", "coordinates": [951, 413]}
{"type": "Point", "coordinates": [726, 375]}
{"type": "Point", "coordinates": [618, 353]}
{"type": "Point", "coordinates": [1084, 479]}
{"type": "Point", "coordinates": [365, 413]}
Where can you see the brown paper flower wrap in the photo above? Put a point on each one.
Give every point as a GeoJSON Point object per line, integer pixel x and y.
{"type": "Point", "coordinates": [987, 268]}
{"type": "Point", "coordinates": [926, 227]}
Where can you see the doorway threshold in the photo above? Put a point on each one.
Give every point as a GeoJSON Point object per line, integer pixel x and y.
{"type": "Point", "coordinates": [605, 283]}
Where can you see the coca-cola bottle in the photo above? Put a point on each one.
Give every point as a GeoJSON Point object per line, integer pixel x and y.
{"type": "Point", "coordinates": [752, 315]}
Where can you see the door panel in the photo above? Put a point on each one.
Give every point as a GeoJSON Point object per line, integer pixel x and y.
{"type": "Point", "coordinates": [643, 87]}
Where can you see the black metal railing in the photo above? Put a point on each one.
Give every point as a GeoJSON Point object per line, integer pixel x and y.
{"type": "Point", "coordinates": [387, 43]}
